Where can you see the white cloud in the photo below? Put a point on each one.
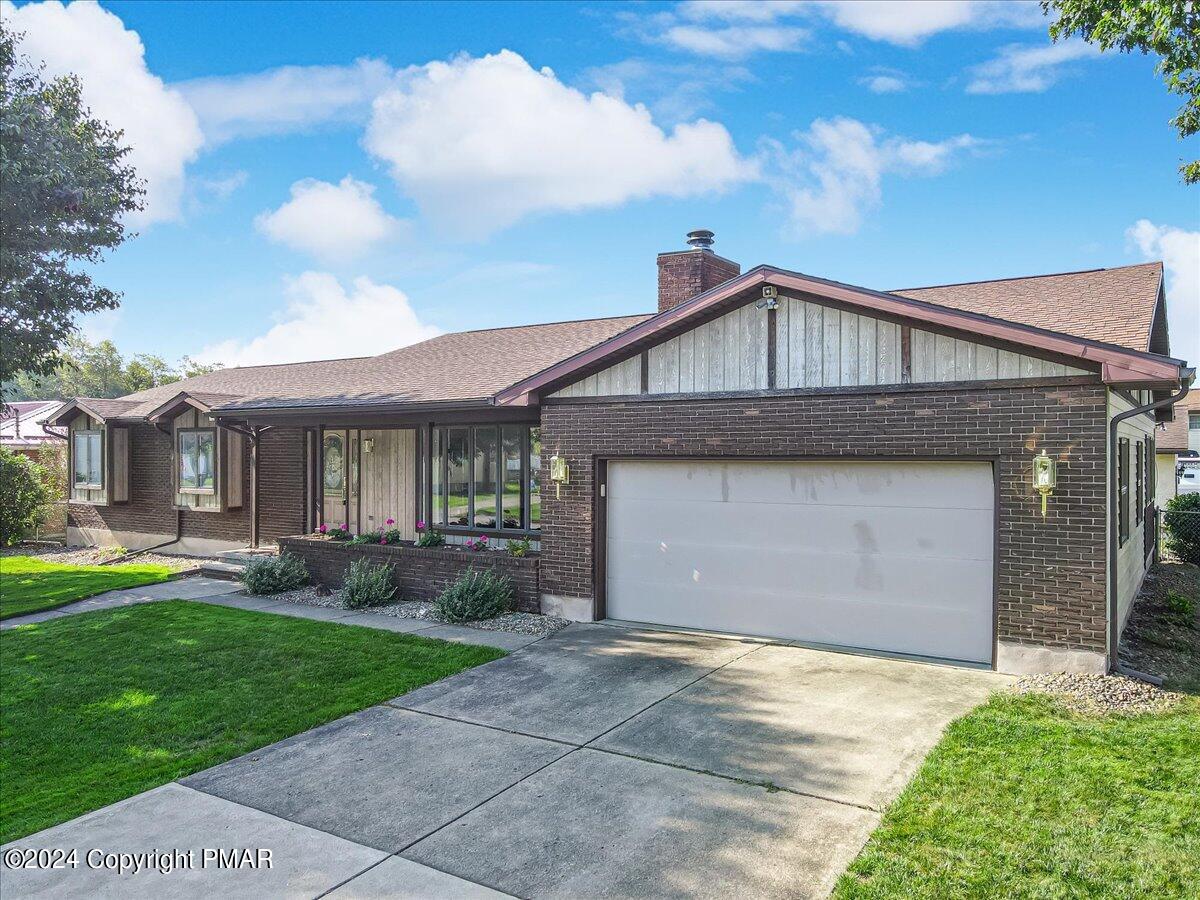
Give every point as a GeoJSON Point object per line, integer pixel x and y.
{"type": "Point", "coordinates": [1179, 251]}
{"type": "Point", "coordinates": [222, 187]}
{"type": "Point", "coordinates": [285, 99]}
{"type": "Point", "coordinates": [324, 321]}
{"type": "Point", "coordinates": [735, 41]}
{"type": "Point", "coordinates": [334, 222]}
{"type": "Point", "coordinates": [91, 42]}
{"type": "Point", "coordinates": [674, 92]}
{"type": "Point", "coordinates": [836, 174]}
{"type": "Point", "coordinates": [886, 81]}
{"type": "Point", "coordinates": [718, 27]}
{"type": "Point", "coordinates": [1027, 68]}
{"type": "Point", "coordinates": [481, 143]}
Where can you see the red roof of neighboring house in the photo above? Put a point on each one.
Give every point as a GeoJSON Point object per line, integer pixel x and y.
{"type": "Point", "coordinates": [21, 423]}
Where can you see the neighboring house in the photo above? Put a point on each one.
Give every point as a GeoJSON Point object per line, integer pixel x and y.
{"type": "Point", "coordinates": [831, 464]}
{"type": "Point", "coordinates": [21, 424]}
{"type": "Point", "coordinates": [1174, 441]}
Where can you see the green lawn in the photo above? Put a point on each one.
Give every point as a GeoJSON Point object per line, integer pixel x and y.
{"type": "Point", "coordinates": [99, 706]}
{"type": "Point", "coordinates": [1024, 799]}
{"type": "Point", "coordinates": [28, 584]}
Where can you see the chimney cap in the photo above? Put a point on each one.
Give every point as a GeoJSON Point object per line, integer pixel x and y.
{"type": "Point", "coordinates": [701, 239]}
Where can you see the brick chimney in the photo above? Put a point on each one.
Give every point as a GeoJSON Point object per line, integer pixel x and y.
{"type": "Point", "coordinates": [683, 274]}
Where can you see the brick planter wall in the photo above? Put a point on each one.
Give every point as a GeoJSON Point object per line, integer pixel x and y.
{"type": "Point", "coordinates": [418, 573]}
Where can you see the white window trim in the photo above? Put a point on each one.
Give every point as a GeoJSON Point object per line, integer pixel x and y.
{"type": "Point", "coordinates": [88, 433]}
{"type": "Point", "coordinates": [207, 492]}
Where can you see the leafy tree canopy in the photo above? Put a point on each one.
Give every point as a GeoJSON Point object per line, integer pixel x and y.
{"type": "Point", "coordinates": [66, 187]}
{"type": "Point", "coordinates": [99, 370]}
{"type": "Point", "coordinates": [1168, 28]}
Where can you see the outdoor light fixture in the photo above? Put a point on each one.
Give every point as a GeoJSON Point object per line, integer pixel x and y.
{"type": "Point", "coordinates": [770, 297]}
{"type": "Point", "coordinates": [560, 473]}
{"type": "Point", "coordinates": [368, 445]}
{"type": "Point", "coordinates": [1044, 477]}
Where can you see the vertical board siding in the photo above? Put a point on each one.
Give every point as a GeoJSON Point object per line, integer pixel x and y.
{"type": "Point", "coordinates": [387, 481]}
{"type": "Point", "coordinates": [815, 346]}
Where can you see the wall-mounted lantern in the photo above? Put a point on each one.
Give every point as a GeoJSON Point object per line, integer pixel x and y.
{"type": "Point", "coordinates": [1045, 477]}
{"type": "Point", "coordinates": [560, 473]}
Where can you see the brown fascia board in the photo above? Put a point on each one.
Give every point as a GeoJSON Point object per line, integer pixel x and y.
{"type": "Point", "coordinates": [318, 410]}
{"type": "Point", "coordinates": [1118, 365]}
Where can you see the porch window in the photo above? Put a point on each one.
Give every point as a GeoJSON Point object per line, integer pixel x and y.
{"type": "Point", "coordinates": [485, 478]}
{"type": "Point", "coordinates": [197, 460]}
{"type": "Point", "coordinates": [88, 453]}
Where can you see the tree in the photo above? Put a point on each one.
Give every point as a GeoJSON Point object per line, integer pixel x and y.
{"type": "Point", "coordinates": [66, 187]}
{"type": "Point", "coordinates": [23, 496]}
{"type": "Point", "coordinates": [99, 370]}
{"type": "Point", "coordinates": [1168, 28]}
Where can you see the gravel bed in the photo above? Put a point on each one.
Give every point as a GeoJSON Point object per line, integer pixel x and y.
{"type": "Point", "coordinates": [91, 556]}
{"type": "Point", "coordinates": [514, 622]}
{"type": "Point", "coordinates": [1101, 694]}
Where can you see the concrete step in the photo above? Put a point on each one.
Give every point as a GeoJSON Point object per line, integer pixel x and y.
{"type": "Point", "coordinates": [228, 570]}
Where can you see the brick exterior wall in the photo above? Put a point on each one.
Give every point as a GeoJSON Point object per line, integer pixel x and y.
{"type": "Point", "coordinates": [418, 573]}
{"type": "Point", "coordinates": [151, 501]}
{"type": "Point", "coordinates": [1050, 573]}
{"type": "Point", "coordinates": [683, 275]}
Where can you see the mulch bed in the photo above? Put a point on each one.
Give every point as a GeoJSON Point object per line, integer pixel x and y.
{"type": "Point", "coordinates": [1159, 640]}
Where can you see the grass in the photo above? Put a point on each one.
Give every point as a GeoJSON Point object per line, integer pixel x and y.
{"type": "Point", "coordinates": [1024, 799]}
{"type": "Point", "coordinates": [29, 585]}
{"type": "Point", "coordinates": [100, 706]}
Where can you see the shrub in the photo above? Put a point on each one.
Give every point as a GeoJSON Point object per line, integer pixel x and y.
{"type": "Point", "coordinates": [366, 584]}
{"type": "Point", "coordinates": [337, 532]}
{"type": "Point", "coordinates": [1182, 605]}
{"type": "Point", "coordinates": [477, 595]}
{"type": "Point", "coordinates": [367, 537]}
{"type": "Point", "coordinates": [518, 548]}
{"type": "Point", "coordinates": [1182, 523]}
{"type": "Point", "coordinates": [429, 537]}
{"type": "Point", "coordinates": [273, 574]}
{"type": "Point", "coordinates": [22, 497]}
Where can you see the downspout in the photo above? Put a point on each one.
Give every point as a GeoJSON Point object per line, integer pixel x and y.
{"type": "Point", "coordinates": [1113, 474]}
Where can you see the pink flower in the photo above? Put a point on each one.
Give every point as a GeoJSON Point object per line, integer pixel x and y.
{"type": "Point", "coordinates": [383, 540]}
{"type": "Point", "coordinates": [342, 526]}
{"type": "Point", "coordinates": [421, 525]}
{"type": "Point", "coordinates": [390, 522]}
{"type": "Point", "coordinates": [324, 528]}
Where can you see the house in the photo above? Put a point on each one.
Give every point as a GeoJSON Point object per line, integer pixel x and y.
{"type": "Point", "coordinates": [769, 453]}
{"type": "Point", "coordinates": [21, 424]}
{"type": "Point", "coordinates": [1176, 440]}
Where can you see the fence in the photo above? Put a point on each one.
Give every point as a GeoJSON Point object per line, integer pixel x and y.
{"type": "Point", "coordinates": [1179, 534]}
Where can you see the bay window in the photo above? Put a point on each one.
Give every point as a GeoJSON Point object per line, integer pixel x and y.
{"type": "Point", "coordinates": [88, 453]}
{"type": "Point", "coordinates": [485, 478]}
{"type": "Point", "coordinates": [197, 453]}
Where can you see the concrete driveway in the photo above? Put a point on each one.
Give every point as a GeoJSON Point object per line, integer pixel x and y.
{"type": "Point", "coordinates": [600, 762]}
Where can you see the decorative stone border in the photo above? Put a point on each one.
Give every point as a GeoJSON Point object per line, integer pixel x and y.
{"type": "Point", "coordinates": [419, 573]}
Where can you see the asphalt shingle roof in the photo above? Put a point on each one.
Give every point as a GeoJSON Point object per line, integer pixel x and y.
{"type": "Point", "coordinates": [1115, 306]}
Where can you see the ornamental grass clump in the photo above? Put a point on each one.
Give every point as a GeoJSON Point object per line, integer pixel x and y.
{"type": "Point", "coordinates": [367, 584]}
{"type": "Point", "coordinates": [271, 575]}
{"type": "Point", "coordinates": [475, 596]}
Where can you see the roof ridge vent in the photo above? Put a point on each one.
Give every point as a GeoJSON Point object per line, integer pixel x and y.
{"type": "Point", "coordinates": [701, 239]}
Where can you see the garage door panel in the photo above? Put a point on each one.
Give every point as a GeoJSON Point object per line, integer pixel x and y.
{"type": "Point", "coordinates": [875, 555]}
{"type": "Point", "coordinates": [807, 481]}
{"type": "Point", "coordinates": [744, 575]}
{"type": "Point", "coordinates": [928, 532]}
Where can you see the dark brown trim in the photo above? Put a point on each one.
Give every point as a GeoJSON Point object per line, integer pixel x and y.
{"type": "Point", "coordinates": [996, 525]}
{"type": "Point", "coordinates": [772, 346]}
{"type": "Point", "coordinates": [254, 483]}
{"type": "Point", "coordinates": [320, 480]}
{"type": "Point", "coordinates": [905, 354]}
{"type": "Point", "coordinates": [645, 372]}
{"type": "Point", "coordinates": [849, 390]}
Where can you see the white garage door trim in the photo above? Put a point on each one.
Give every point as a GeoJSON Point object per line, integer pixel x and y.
{"type": "Point", "coordinates": [899, 552]}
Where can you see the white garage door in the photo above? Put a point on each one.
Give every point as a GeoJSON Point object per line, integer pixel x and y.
{"type": "Point", "coordinates": [891, 556]}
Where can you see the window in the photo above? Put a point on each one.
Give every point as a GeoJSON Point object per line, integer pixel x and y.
{"type": "Point", "coordinates": [1140, 476]}
{"type": "Point", "coordinates": [197, 460]}
{"type": "Point", "coordinates": [88, 453]}
{"type": "Point", "coordinates": [1194, 431]}
{"type": "Point", "coordinates": [1122, 490]}
{"type": "Point", "coordinates": [484, 478]}
{"type": "Point", "coordinates": [333, 471]}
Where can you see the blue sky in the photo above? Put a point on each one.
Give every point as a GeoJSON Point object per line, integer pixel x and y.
{"type": "Point", "coordinates": [340, 179]}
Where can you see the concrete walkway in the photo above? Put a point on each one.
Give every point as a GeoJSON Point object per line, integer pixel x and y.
{"type": "Point", "coordinates": [601, 761]}
{"type": "Point", "coordinates": [225, 593]}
